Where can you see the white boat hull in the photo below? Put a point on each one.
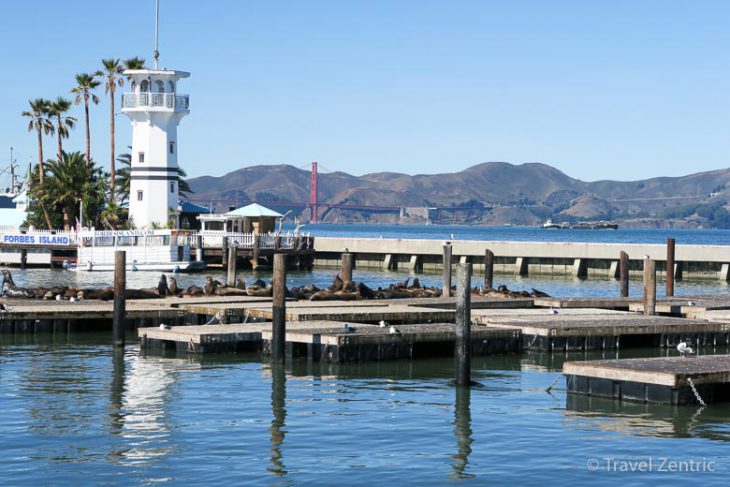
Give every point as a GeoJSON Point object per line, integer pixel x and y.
{"type": "Point", "coordinates": [172, 267]}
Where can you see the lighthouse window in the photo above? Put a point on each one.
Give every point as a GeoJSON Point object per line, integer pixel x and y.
{"type": "Point", "coordinates": [172, 187]}
{"type": "Point", "coordinates": [140, 195]}
{"type": "Point", "coordinates": [140, 157]}
{"type": "Point", "coordinates": [172, 147]}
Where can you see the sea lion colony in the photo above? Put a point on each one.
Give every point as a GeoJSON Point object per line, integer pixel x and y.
{"type": "Point", "coordinates": [337, 291]}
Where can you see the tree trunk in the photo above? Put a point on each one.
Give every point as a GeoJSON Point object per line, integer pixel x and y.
{"type": "Point", "coordinates": [66, 218]}
{"type": "Point", "coordinates": [88, 135]}
{"type": "Point", "coordinates": [41, 178]}
{"type": "Point", "coordinates": [112, 166]}
{"type": "Point", "coordinates": [60, 145]}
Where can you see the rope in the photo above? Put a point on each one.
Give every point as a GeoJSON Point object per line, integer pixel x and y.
{"type": "Point", "coordinates": [218, 316]}
{"type": "Point", "coordinates": [553, 383]}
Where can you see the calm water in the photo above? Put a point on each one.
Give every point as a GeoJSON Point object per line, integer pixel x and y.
{"type": "Point", "coordinates": [74, 412]}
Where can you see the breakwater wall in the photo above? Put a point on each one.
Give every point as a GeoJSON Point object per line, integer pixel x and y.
{"type": "Point", "coordinates": [560, 259]}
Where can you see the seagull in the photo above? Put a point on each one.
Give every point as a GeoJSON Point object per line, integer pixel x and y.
{"type": "Point", "coordinates": [394, 331]}
{"type": "Point", "coordinates": [646, 256]}
{"type": "Point", "coordinates": [383, 324]}
{"type": "Point", "coordinates": [165, 327]}
{"type": "Point", "coordinates": [5, 307]}
{"type": "Point", "coordinates": [690, 303]}
{"type": "Point", "coordinates": [58, 297]}
{"type": "Point", "coordinates": [553, 310]}
{"type": "Point", "coordinates": [347, 251]}
{"type": "Point", "coordinates": [453, 237]}
{"type": "Point", "coordinates": [348, 329]}
{"type": "Point", "coordinates": [684, 349]}
{"type": "Point", "coordinates": [72, 299]}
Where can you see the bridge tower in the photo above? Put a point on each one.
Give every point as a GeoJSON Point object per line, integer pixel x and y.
{"type": "Point", "coordinates": [313, 197]}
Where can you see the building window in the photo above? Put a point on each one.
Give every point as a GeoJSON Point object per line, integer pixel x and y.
{"type": "Point", "coordinates": [140, 157]}
{"type": "Point", "coordinates": [172, 187]}
{"type": "Point", "coordinates": [172, 147]}
{"type": "Point", "coordinates": [140, 195]}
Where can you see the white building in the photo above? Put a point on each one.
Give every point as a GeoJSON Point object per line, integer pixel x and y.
{"type": "Point", "coordinates": [155, 108]}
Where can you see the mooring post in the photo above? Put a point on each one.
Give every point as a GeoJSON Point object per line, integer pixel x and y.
{"type": "Point", "coordinates": [488, 269]}
{"type": "Point", "coordinates": [120, 284]}
{"type": "Point", "coordinates": [623, 273]}
{"type": "Point", "coordinates": [462, 342]}
{"type": "Point", "coordinates": [232, 262]}
{"type": "Point", "coordinates": [446, 292]}
{"type": "Point", "coordinates": [649, 287]}
{"type": "Point", "coordinates": [199, 247]}
{"type": "Point", "coordinates": [346, 268]}
{"type": "Point", "coordinates": [255, 251]}
{"type": "Point", "coordinates": [224, 252]}
{"type": "Point", "coordinates": [670, 266]}
{"type": "Point", "coordinates": [278, 311]}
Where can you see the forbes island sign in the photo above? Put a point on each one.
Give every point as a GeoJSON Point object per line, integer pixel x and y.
{"type": "Point", "coordinates": [20, 238]}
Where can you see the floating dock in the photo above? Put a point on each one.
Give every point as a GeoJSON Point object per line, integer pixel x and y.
{"type": "Point", "coordinates": [328, 341]}
{"type": "Point", "coordinates": [670, 380]}
{"type": "Point", "coordinates": [606, 331]}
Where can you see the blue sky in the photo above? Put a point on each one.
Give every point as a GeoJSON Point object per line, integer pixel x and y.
{"type": "Point", "coordinates": [599, 89]}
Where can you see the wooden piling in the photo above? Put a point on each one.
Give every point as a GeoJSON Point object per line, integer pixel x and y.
{"type": "Point", "coordinates": [278, 310]}
{"type": "Point", "coordinates": [23, 258]}
{"type": "Point", "coordinates": [232, 262]}
{"type": "Point", "coordinates": [224, 252]}
{"type": "Point", "coordinates": [346, 268]}
{"type": "Point", "coordinates": [649, 287]}
{"type": "Point", "coordinates": [670, 266]}
{"type": "Point", "coordinates": [255, 251]}
{"type": "Point", "coordinates": [488, 269]}
{"type": "Point", "coordinates": [199, 247]}
{"type": "Point", "coordinates": [447, 271]}
{"type": "Point", "coordinates": [624, 273]}
{"type": "Point", "coordinates": [462, 341]}
{"type": "Point", "coordinates": [120, 284]}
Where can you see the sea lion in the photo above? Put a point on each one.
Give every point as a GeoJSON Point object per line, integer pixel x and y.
{"type": "Point", "coordinates": [536, 293]}
{"type": "Point", "coordinates": [209, 287]}
{"type": "Point", "coordinates": [162, 285]}
{"type": "Point", "coordinates": [172, 289]}
{"type": "Point", "coordinates": [240, 283]}
{"type": "Point", "coordinates": [194, 291]}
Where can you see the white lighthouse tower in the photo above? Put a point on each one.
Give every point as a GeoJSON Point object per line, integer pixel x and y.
{"type": "Point", "coordinates": [155, 108]}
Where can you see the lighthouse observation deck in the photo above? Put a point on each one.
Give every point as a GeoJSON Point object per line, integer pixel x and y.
{"type": "Point", "coordinates": [160, 101]}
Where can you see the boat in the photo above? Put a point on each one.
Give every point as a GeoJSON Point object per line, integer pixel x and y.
{"type": "Point", "coordinates": [147, 250]}
{"type": "Point", "coordinates": [588, 225]}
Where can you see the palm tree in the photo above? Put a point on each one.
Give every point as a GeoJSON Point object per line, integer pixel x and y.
{"type": "Point", "coordinates": [112, 71]}
{"type": "Point", "coordinates": [134, 63]}
{"type": "Point", "coordinates": [64, 122]}
{"type": "Point", "coordinates": [40, 122]}
{"type": "Point", "coordinates": [183, 187]}
{"type": "Point", "coordinates": [73, 183]}
{"type": "Point", "coordinates": [85, 84]}
{"type": "Point", "coordinates": [123, 175]}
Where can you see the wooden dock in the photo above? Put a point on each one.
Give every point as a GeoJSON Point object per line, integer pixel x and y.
{"type": "Point", "coordinates": [607, 331]}
{"type": "Point", "coordinates": [617, 303]}
{"type": "Point", "coordinates": [394, 314]}
{"type": "Point", "coordinates": [664, 379]}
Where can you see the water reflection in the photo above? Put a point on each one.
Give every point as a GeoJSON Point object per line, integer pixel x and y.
{"type": "Point", "coordinates": [117, 391]}
{"type": "Point", "coordinates": [278, 419]}
{"type": "Point", "coordinates": [640, 419]}
{"type": "Point", "coordinates": [144, 421]}
{"type": "Point", "coordinates": [463, 432]}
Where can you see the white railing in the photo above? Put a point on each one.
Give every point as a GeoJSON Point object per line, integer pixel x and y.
{"type": "Point", "coordinates": [172, 101]}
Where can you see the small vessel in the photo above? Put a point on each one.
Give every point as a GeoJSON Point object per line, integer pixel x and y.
{"type": "Point", "coordinates": [150, 250]}
{"type": "Point", "coordinates": [588, 225]}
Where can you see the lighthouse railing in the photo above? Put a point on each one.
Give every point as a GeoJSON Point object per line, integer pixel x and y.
{"type": "Point", "coordinates": [171, 101]}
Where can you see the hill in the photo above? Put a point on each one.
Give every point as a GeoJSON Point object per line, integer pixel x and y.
{"type": "Point", "coordinates": [489, 193]}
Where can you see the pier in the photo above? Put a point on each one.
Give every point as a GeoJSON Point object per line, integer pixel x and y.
{"type": "Point", "coordinates": [566, 259]}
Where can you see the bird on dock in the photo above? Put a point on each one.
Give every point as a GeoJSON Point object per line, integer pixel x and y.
{"type": "Point", "coordinates": [5, 308]}
{"type": "Point", "coordinates": [553, 310]}
{"type": "Point", "coordinates": [347, 328]}
{"type": "Point", "coordinates": [690, 303]}
{"type": "Point", "coordinates": [165, 327]}
{"type": "Point", "coordinates": [394, 331]}
{"type": "Point", "coordinates": [684, 349]}
{"type": "Point", "coordinates": [347, 251]}
{"type": "Point", "coordinates": [646, 256]}
{"type": "Point", "coordinates": [453, 237]}
{"type": "Point", "coordinates": [72, 299]}
{"type": "Point", "coordinates": [58, 297]}
{"type": "Point", "coordinates": [383, 323]}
